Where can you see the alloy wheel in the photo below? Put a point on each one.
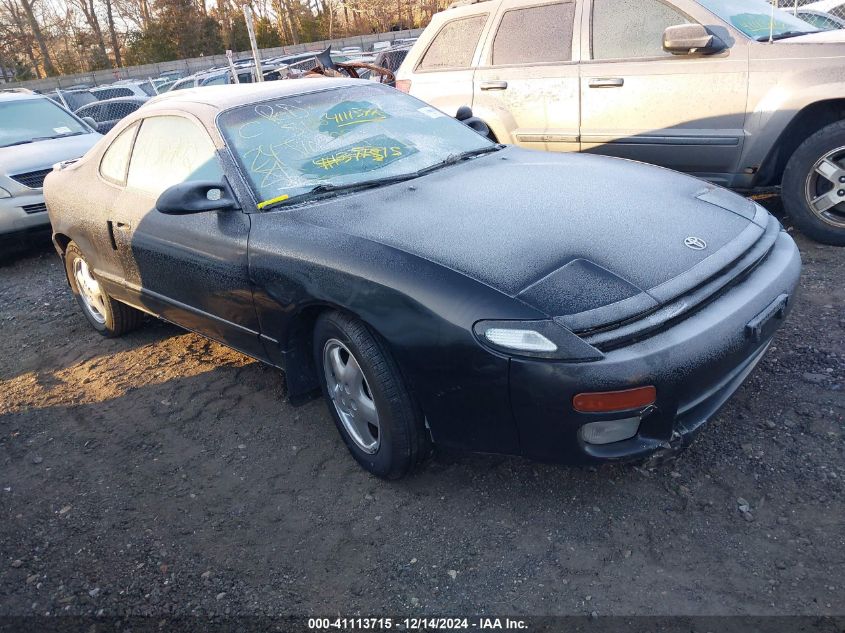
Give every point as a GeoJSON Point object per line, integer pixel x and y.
{"type": "Point", "coordinates": [825, 188]}
{"type": "Point", "coordinates": [350, 393]}
{"type": "Point", "coordinates": [93, 299]}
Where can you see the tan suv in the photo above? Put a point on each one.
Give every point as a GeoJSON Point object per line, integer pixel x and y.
{"type": "Point", "coordinates": [727, 90]}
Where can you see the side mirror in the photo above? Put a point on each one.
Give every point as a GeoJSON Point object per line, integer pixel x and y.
{"type": "Point", "coordinates": [465, 116]}
{"type": "Point", "coordinates": [91, 123]}
{"type": "Point", "coordinates": [686, 39]}
{"type": "Point", "coordinates": [196, 197]}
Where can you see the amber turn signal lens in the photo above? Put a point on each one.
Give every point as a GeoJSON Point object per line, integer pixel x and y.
{"type": "Point", "coordinates": [403, 85]}
{"type": "Point", "coordinates": [608, 401]}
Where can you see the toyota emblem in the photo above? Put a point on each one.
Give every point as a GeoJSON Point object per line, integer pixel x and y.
{"type": "Point", "coordinates": [695, 243]}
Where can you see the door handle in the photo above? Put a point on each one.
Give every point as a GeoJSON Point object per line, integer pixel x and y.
{"type": "Point", "coordinates": [606, 82]}
{"type": "Point", "coordinates": [494, 85]}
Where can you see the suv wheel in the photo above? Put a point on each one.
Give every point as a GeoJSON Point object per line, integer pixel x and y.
{"type": "Point", "coordinates": [371, 406]}
{"type": "Point", "coordinates": [814, 185]}
{"type": "Point", "coordinates": [109, 317]}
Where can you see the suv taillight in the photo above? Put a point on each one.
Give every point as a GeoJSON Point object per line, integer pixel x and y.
{"type": "Point", "coordinates": [403, 85]}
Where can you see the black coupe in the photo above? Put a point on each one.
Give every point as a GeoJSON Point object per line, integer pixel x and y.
{"type": "Point", "coordinates": [435, 286]}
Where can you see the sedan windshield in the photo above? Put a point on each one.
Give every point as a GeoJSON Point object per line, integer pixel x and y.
{"type": "Point", "coordinates": [341, 138]}
{"type": "Point", "coordinates": [30, 120]}
{"type": "Point", "coordinates": [754, 18]}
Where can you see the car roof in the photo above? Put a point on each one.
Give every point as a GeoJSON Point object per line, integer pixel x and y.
{"type": "Point", "coordinates": [9, 95]}
{"type": "Point", "coordinates": [233, 95]}
{"type": "Point", "coordinates": [133, 99]}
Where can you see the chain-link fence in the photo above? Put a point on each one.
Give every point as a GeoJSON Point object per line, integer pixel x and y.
{"type": "Point", "coordinates": [185, 67]}
{"type": "Point", "coordinates": [827, 15]}
{"type": "Point", "coordinates": [106, 114]}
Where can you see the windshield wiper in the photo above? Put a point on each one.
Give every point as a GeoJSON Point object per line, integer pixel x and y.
{"type": "Point", "coordinates": [17, 143]}
{"type": "Point", "coordinates": [785, 35]}
{"type": "Point", "coordinates": [42, 138]}
{"type": "Point", "coordinates": [457, 158]}
{"type": "Point", "coordinates": [330, 189]}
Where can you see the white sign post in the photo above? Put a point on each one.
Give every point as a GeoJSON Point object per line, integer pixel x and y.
{"type": "Point", "coordinates": [232, 67]}
{"type": "Point", "coordinates": [250, 28]}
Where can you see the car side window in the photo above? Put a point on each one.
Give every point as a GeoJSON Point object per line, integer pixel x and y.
{"type": "Point", "coordinates": [535, 35]}
{"type": "Point", "coordinates": [219, 80]}
{"type": "Point", "coordinates": [170, 150]}
{"type": "Point", "coordinates": [626, 29]}
{"type": "Point", "coordinates": [454, 45]}
{"type": "Point", "coordinates": [116, 158]}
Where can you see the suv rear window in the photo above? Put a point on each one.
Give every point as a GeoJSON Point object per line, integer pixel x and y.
{"type": "Point", "coordinates": [454, 45]}
{"type": "Point", "coordinates": [535, 34]}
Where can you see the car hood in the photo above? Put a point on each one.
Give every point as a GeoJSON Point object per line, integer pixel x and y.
{"type": "Point", "coordinates": [568, 234]}
{"type": "Point", "coordinates": [44, 154]}
{"type": "Point", "coordinates": [824, 37]}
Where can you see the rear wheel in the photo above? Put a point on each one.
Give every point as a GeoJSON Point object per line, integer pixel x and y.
{"type": "Point", "coordinates": [109, 317]}
{"type": "Point", "coordinates": [371, 406]}
{"type": "Point", "coordinates": [814, 185]}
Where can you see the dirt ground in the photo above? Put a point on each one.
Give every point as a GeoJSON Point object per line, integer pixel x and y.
{"type": "Point", "coordinates": [164, 474]}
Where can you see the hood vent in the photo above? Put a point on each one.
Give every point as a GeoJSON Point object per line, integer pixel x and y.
{"type": "Point", "coordinates": [32, 179]}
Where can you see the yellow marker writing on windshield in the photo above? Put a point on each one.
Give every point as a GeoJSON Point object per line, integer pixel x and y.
{"type": "Point", "coordinates": [261, 205]}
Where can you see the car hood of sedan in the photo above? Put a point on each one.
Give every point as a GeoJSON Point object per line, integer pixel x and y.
{"type": "Point", "coordinates": [568, 234]}
{"type": "Point", "coordinates": [44, 154]}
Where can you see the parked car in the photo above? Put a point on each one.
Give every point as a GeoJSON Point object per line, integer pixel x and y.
{"type": "Point", "coordinates": [392, 58]}
{"type": "Point", "coordinates": [71, 99]}
{"type": "Point", "coordinates": [680, 83]}
{"type": "Point", "coordinates": [142, 89]}
{"type": "Point", "coordinates": [380, 46]}
{"type": "Point", "coordinates": [835, 8]}
{"type": "Point", "coordinates": [107, 113]}
{"type": "Point", "coordinates": [433, 284]}
{"type": "Point", "coordinates": [35, 133]}
{"type": "Point", "coordinates": [173, 75]}
{"type": "Point", "coordinates": [822, 19]}
{"type": "Point", "coordinates": [212, 78]}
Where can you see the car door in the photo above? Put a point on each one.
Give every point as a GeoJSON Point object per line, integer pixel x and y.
{"type": "Point", "coordinates": [527, 88]}
{"type": "Point", "coordinates": [443, 75]}
{"type": "Point", "coordinates": [685, 112]}
{"type": "Point", "coordinates": [190, 269]}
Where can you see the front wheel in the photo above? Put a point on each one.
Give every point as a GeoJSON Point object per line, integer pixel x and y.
{"type": "Point", "coordinates": [371, 405]}
{"type": "Point", "coordinates": [814, 185]}
{"type": "Point", "coordinates": [109, 317]}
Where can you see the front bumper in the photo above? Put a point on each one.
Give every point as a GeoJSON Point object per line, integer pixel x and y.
{"type": "Point", "coordinates": [696, 365]}
{"type": "Point", "coordinates": [23, 216]}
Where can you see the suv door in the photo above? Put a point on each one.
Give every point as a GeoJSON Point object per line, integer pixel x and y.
{"type": "Point", "coordinates": [526, 89]}
{"type": "Point", "coordinates": [190, 269]}
{"type": "Point", "coordinates": [443, 75]}
{"type": "Point", "coordinates": [686, 112]}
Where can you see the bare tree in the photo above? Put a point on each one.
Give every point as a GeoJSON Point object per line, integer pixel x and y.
{"type": "Point", "coordinates": [90, 13]}
{"type": "Point", "coordinates": [115, 44]}
{"type": "Point", "coordinates": [28, 7]}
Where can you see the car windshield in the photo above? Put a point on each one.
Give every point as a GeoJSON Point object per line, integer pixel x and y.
{"type": "Point", "coordinates": [756, 19]}
{"type": "Point", "coordinates": [341, 137]}
{"type": "Point", "coordinates": [31, 120]}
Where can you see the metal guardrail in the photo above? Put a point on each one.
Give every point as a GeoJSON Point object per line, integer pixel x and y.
{"type": "Point", "coordinates": [196, 64]}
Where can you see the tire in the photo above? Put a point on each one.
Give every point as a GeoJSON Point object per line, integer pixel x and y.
{"type": "Point", "coordinates": [401, 439]}
{"type": "Point", "coordinates": [109, 317]}
{"type": "Point", "coordinates": [803, 183]}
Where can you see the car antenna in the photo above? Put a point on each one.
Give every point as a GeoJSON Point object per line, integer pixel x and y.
{"type": "Point", "coordinates": [772, 23]}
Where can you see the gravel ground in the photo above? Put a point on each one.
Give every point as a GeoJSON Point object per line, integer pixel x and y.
{"type": "Point", "coordinates": [161, 474]}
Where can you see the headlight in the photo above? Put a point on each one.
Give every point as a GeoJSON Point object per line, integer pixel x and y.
{"type": "Point", "coordinates": [535, 339]}
{"type": "Point", "coordinates": [4, 193]}
{"type": "Point", "coordinates": [521, 340]}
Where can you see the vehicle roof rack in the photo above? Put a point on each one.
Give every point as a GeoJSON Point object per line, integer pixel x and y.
{"type": "Point", "coordinates": [463, 3]}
